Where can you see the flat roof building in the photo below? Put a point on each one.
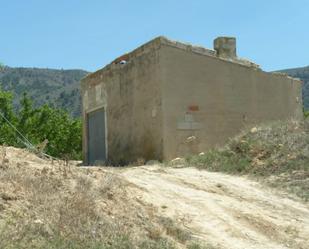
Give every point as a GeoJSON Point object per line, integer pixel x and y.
{"type": "Point", "coordinates": [168, 99]}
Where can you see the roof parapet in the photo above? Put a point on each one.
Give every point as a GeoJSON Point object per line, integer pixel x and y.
{"type": "Point", "coordinates": [158, 41]}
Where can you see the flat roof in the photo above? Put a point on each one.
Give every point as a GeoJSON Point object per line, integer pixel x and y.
{"type": "Point", "coordinates": [161, 40]}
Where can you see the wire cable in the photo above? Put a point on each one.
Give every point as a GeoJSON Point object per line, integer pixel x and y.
{"type": "Point", "coordinates": [26, 141]}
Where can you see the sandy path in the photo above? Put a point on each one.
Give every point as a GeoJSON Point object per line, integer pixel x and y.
{"type": "Point", "coordinates": [228, 211]}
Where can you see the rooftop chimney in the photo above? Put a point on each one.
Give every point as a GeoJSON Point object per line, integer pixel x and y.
{"type": "Point", "coordinates": [225, 47]}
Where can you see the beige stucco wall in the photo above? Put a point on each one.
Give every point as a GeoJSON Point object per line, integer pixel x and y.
{"type": "Point", "coordinates": [228, 97]}
{"type": "Point", "coordinates": [173, 99]}
{"type": "Point", "coordinates": [131, 95]}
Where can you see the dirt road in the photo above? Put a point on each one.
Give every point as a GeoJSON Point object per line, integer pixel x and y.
{"type": "Point", "coordinates": [227, 211]}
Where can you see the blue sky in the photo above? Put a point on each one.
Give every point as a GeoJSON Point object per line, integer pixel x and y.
{"type": "Point", "coordinates": [89, 34]}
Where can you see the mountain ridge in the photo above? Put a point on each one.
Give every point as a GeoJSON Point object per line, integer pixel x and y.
{"type": "Point", "coordinates": [57, 87]}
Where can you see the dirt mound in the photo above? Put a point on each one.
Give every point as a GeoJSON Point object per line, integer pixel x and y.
{"type": "Point", "coordinates": [48, 204]}
{"type": "Point", "coordinates": [277, 153]}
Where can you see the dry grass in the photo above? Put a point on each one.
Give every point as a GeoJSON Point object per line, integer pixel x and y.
{"type": "Point", "coordinates": [49, 213]}
{"type": "Point", "coordinates": [199, 245]}
{"type": "Point", "coordinates": [174, 230]}
{"type": "Point", "coordinates": [44, 205]}
{"type": "Point", "coordinates": [277, 153]}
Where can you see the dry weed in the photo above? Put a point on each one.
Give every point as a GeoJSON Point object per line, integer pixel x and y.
{"type": "Point", "coordinates": [280, 149]}
{"type": "Point", "coordinates": [43, 207]}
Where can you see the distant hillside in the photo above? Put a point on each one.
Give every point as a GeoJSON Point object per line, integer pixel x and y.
{"type": "Point", "coordinates": [303, 74]}
{"type": "Point", "coordinates": [57, 87]}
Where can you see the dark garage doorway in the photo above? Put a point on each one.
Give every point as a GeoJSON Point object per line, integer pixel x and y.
{"type": "Point", "coordinates": [96, 137]}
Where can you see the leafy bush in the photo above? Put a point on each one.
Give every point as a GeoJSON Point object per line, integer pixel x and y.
{"type": "Point", "coordinates": [58, 129]}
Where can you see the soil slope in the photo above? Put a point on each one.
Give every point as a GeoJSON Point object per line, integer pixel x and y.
{"type": "Point", "coordinates": [227, 211]}
{"type": "Point", "coordinates": [154, 203]}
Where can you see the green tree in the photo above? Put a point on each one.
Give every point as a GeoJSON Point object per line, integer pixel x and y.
{"type": "Point", "coordinates": [7, 134]}
{"type": "Point", "coordinates": [26, 116]}
{"type": "Point", "coordinates": [62, 132]}
{"type": "Point", "coordinates": [38, 124]}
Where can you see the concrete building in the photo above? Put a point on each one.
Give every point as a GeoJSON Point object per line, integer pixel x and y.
{"type": "Point", "coordinates": [167, 99]}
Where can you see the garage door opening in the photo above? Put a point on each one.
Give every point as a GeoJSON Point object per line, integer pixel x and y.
{"type": "Point", "coordinates": [96, 137]}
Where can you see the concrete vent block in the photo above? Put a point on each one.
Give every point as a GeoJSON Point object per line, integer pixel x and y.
{"type": "Point", "coordinates": [225, 47]}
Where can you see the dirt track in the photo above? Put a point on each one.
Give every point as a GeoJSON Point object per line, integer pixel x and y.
{"type": "Point", "coordinates": [227, 211]}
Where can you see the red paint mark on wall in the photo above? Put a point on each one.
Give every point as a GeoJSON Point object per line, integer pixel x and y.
{"type": "Point", "coordinates": [193, 108]}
